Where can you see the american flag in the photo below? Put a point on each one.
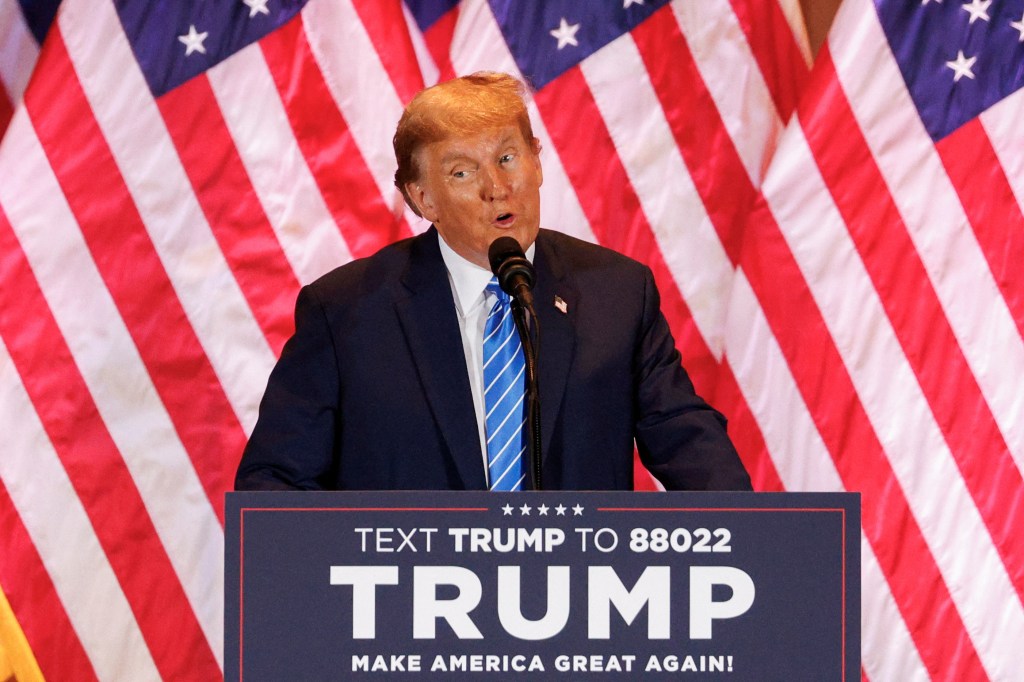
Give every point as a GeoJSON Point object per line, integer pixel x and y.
{"type": "Point", "coordinates": [842, 287]}
{"type": "Point", "coordinates": [875, 322]}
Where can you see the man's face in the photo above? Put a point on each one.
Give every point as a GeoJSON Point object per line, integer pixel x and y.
{"type": "Point", "coordinates": [480, 187]}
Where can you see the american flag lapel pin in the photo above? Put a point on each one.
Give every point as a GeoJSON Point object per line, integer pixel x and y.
{"type": "Point", "coordinates": [560, 304]}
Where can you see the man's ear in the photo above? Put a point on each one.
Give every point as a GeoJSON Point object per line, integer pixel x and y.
{"type": "Point", "coordinates": [423, 200]}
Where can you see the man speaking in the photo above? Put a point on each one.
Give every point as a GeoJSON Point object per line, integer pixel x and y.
{"type": "Point", "coordinates": [405, 371]}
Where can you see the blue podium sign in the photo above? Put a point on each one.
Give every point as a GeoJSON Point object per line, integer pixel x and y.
{"type": "Point", "coordinates": [557, 585]}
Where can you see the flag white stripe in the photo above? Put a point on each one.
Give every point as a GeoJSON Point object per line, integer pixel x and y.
{"type": "Point", "coordinates": [887, 650]}
{"type": "Point", "coordinates": [116, 377]}
{"type": "Point", "coordinates": [938, 227]}
{"type": "Point", "coordinates": [745, 104]}
{"type": "Point", "coordinates": [361, 88]}
{"type": "Point", "coordinates": [683, 231]}
{"type": "Point", "coordinates": [277, 169]}
{"type": "Point", "coordinates": [1002, 124]}
{"type": "Point", "coordinates": [892, 399]}
{"type": "Point", "coordinates": [118, 97]}
{"type": "Point", "coordinates": [770, 391]}
{"type": "Point", "coordinates": [18, 51]}
{"type": "Point", "coordinates": [63, 535]}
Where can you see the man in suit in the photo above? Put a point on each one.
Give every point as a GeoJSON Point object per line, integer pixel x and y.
{"type": "Point", "coordinates": [381, 386]}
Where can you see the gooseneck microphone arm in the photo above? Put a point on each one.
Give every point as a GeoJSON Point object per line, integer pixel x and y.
{"type": "Point", "coordinates": [516, 277]}
{"type": "Point", "coordinates": [532, 389]}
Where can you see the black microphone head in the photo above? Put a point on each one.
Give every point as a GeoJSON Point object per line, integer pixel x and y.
{"type": "Point", "coordinates": [509, 264]}
{"type": "Point", "coordinates": [501, 250]}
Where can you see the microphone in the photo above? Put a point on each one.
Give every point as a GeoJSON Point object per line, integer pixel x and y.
{"type": "Point", "coordinates": [514, 272]}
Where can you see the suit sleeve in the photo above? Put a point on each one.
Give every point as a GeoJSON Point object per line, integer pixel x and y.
{"type": "Point", "coordinates": [292, 445]}
{"type": "Point", "coordinates": [681, 439]}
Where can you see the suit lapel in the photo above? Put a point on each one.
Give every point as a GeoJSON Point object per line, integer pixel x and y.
{"type": "Point", "coordinates": [430, 324]}
{"type": "Point", "coordinates": [557, 328]}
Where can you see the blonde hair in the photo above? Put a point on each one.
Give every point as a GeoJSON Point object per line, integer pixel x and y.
{"type": "Point", "coordinates": [461, 106]}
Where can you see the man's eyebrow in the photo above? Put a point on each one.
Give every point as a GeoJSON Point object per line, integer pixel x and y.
{"type": "Point", "coordinates": [510, 140]}
{"type": "Point", "coordinates": [454, 156]}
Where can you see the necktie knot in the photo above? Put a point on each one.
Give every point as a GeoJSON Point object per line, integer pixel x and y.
{"type": "Point", "coordinates": [496, 289]}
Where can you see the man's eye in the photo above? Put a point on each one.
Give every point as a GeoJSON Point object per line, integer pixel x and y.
{"type": "Point", "coordinates": [459, 174]}
{"type": "Point", "coordinates": [505, 158]}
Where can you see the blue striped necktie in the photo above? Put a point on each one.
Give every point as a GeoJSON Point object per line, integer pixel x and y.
{"type": "Point", "coordinates": [504, 393]}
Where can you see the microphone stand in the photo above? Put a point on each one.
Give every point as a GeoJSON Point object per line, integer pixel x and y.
{"type": "Point", "coordinates": [530, 353]}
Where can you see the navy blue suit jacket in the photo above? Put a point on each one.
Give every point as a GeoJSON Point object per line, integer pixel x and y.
{"type": "Point", "coordinates": [372, 393]}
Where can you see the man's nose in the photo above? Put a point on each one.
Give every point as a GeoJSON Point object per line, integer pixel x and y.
{"type": "Point", "coordinates": [494, 183]}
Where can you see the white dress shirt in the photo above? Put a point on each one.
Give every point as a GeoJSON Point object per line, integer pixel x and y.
{"type": "Point", "coordinates": [472, 304]}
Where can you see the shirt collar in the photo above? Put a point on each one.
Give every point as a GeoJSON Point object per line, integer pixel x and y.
{"type": "Point", "coordinates": [468, 280]}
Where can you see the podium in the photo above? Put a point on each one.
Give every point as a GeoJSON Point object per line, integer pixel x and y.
{"type": "Point", "coordinates": [570, 585]}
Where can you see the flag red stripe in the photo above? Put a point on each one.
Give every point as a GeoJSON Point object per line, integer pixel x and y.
{"type": "Point", "coordinates": [828, 390]}
{"type": "Point", "coordinates": [385, 24]}
{"type": "Point", "coordinates": [35, 602]}
{"type": "Point", "coordinates": [775, 48]}
{"type": "Point", "coordinates": [337, 164]}
{"type": "Point", "coordinates": [904, 287]}
{"type": "Point", "coordinates": [701, 136]}
{"type": "Point", "coordinates": [995, 216]}
{"type": "Point", "coordinates": [229, 202]}
{"type": "Point", "coordinates": [132, 271]}
{"type": "Point", "coordinates": [613, 208]}
{"type": "Point", "coordinates": [96, 471]}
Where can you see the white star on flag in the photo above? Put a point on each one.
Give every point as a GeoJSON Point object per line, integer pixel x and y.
{"type": "Point", "coordinates": [1019, 25]}
{"type": "Point", "coordinates": [256, 7]}
{"type": "Point", "coordinates": [193, 41]}
{"type": "Point", "coordinates": [962, 66]}
{"type": "Point", "coordinates": [629, 3]}
{"type": "Point", "coordinates": [978, 9]}
{"type": "Point", "coordinates": [566, 34]}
